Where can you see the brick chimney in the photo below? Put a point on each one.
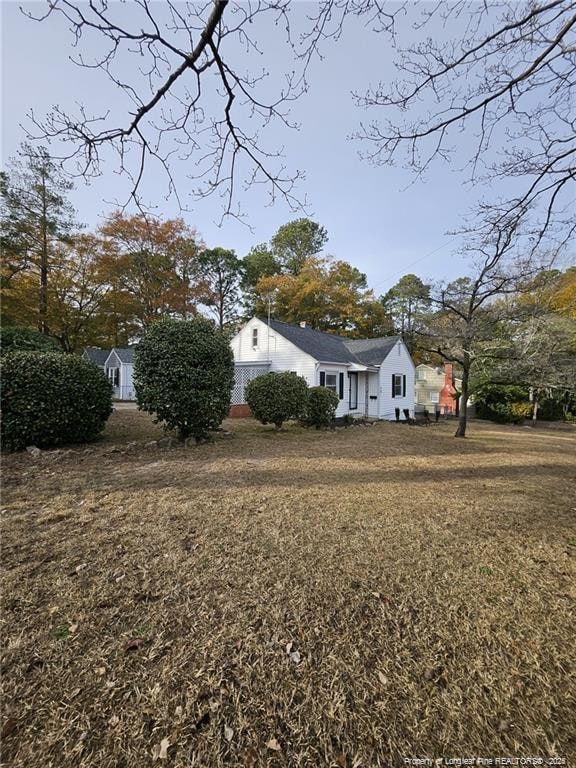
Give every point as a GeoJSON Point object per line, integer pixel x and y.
{"type": "Point", "coordinates": [447, 401]}
{"type": "Point", "coordinates": [302, 323]}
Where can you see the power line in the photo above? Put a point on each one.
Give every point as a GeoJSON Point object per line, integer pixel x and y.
{"type": "Point", "coordinates": [412, 264]}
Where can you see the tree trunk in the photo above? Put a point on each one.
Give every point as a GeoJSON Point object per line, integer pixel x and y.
{"type": "Point", "coordinates": [536, 404]}
{"type": "Point", "coordinates": [221, 314]}
{"type": "Point", "coordinates": [463, 415]}
{"type": "Point", "coordinates": [43, 300]}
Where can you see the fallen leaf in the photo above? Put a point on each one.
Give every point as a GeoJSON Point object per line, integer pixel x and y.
{"type": "Point", "coordinates": [178, 711]}
{"type": "Point", "coordinates": [250, 758]}
{"type": "Point", "coordinates": [114, 720]}
{"type": "Point", "coordinates": [9, 727]}
{"type": "Point", "coordinates": [289, 647]}
{"type": "Point", "coordinates": [100, 671]}
{"type": "Point", "coordinates": [134, 644]}
{"type": "Point", "coordinates": [72, 628]}
{"type": "Point", "coordinates": [295, 656]}
{"type": "Point", "coordinates": [228, 733]}
{"type": "Point", "coordinates": [341, 760]}
{"type": "Point", "coordinates": [273, 744]}
{"type": "Point", "coordinates": [382, 677]}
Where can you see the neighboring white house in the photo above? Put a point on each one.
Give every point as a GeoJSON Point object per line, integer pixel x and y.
{"type": "Point", "coordinates": [118, 365]}
{"type": "Point", "coordinates": [372, 377]}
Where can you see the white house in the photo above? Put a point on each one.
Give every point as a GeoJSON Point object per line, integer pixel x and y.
{"type": "Point", "coordinates": [118, 365]}
{"type": "Point", "coordinates": [372, 377]}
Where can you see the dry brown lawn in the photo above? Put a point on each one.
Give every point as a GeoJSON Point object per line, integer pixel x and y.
{"type": "Point", "coordinates": [297, 599]}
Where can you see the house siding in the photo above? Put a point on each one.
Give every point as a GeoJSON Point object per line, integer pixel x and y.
{"type": "Point", "coordinates": [126, 382]}
{"type": "Point", "coordinates": [344, 403]}
{"type": "Point", "coordinates": [398, 361]}
{"type": "Point", "coordinates": [284, 356]}
{"type": "Point", "coordinates": [125, 389]}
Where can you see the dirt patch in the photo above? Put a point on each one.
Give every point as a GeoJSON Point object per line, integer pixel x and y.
{"type": "Point", "coordinates": [299, 598]}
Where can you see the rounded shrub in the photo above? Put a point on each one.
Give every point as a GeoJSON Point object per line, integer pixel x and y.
{"type": "Point", "coordinates": [183, 374]}
{"type": "Point", "coordinates": [275, 398]}
{"type": "Point", "coordinates": [13, 338]}
{"type": "Point", "coordinates": [49, 399]}
{"type": "Point", "coordinates": [321, 407]}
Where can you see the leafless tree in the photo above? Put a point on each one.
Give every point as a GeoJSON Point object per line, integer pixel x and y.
{"type": "Point", "coordinates": [195, 100]}
{"type": "Point", "coordinates": [509, 80]}
{"type": "Point", "coordinates": [507, 75]}
{"type": "Point", "coordinates": [471, 322]}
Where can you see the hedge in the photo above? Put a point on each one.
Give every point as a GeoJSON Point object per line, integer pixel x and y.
{"type": "Point", "coordinates": [49, 399]}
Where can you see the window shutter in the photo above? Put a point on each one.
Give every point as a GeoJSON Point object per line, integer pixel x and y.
{"type": "Point", "coordinates": [322, 379]}
{"type": "Point", "coordinates": [393, 391]}
{"type": "Point", "coordinates": [341, 387]}
{"type": "Point", "coordinates": [404, 385]}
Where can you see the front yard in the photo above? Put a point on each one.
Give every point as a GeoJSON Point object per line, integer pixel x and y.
{"type": "Point", "coordinates": [305, 598]}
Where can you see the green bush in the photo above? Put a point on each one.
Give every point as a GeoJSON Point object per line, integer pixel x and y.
{"type": "Point", "coordinates": [183, 374]}
{"type": "Point", "coordinates": [321, 407]}
{"type": "Point", "coordinates": [505, 404]}
{"type": "Point", "coordinates": [275, 398]}
{"type": "Point", "coordinates": [13, 338]}
{"type": "Point", "coordinates": [551, 409]}
{"type": "Point", "coordinates": [49, 399]}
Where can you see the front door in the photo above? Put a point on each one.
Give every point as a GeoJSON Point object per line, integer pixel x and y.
{"type": "Point", "coordinates": [353, 394]}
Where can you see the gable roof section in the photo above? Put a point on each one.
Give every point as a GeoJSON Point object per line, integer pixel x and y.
{"type": "Point", "coordinates": [125, 354]}
{"type": "Point", "coordinates": [120, 355]}
{"type": "Point", "coordinates": [96, 355]}
{"type": "Point", "coordinates": [329, 348]}
{"type": "Point", "coordinates": [372, 351]}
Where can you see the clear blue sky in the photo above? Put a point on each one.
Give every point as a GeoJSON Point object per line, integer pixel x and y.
{"type": "Point", "coordinates": [375, 217]}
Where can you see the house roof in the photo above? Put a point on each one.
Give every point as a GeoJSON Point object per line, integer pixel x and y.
{"type": "Point", "coordinates": [125, 354]}
{"type": "Point", "coordinates": [96, 355]}
{"type": "Point", "coordinates": [329, 348]}
{"type": "Point", "coordinates": [372, 351]}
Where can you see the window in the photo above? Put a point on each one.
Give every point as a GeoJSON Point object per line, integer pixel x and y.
{"type": "Point", "coordinates": [331, 381]}
{"type": "Point", "coordinates": [113, 376]}
{"type": "Point", "coordinates": [421, 374]}
{"type": "Point", "coordinates": [397, 385]}
{"type": "Point", "coordinates": [254, 338]}
{"type": "Point", "coordinates": [353, 399]}
{"type": "Point", "coordinates": [434, 397]}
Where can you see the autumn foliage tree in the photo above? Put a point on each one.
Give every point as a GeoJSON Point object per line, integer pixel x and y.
{"type": "Point", "coordinates": [329, 295]}
{"type": "Point", "coordinates": [151, 268]}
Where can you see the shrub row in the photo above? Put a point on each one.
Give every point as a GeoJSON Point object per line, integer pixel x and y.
{"type": "Point", "coordinates": [275, 398]}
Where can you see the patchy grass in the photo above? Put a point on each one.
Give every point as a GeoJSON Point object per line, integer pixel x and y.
{"type": "Point", "coordinates": [294, 599]}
